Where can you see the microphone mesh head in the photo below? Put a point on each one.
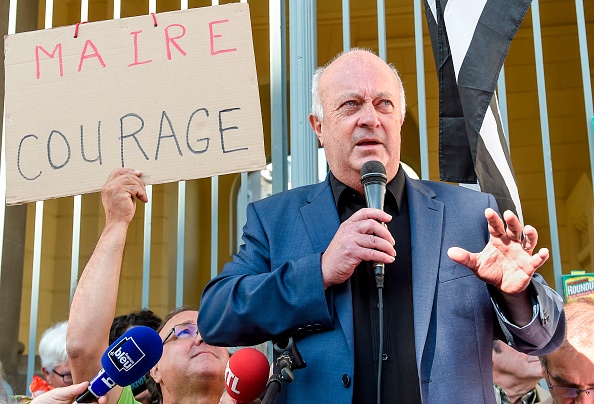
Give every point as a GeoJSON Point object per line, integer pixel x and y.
{"type": "Point", "coordinates": [373, 171]}
{"type": "Point", "coordinates": [132, 355]}
{"type": "Point", "coordinates": [246, 374]}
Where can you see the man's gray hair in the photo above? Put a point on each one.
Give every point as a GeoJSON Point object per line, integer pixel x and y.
{"type": "Point", "coordinates": [52, 346]}
{"type": "Point", "coordinates": [317, 109]}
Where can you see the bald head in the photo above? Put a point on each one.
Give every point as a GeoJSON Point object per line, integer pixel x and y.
{"type": "Point", "coordinates": [357, 113]}
{"type": "Point", "coordinates": [316, 102]}
{"type": "Point", "coordinates": [572, 365]}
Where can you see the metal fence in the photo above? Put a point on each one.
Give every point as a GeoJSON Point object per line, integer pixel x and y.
{"type": "Point", "coordinates": [302, 51]}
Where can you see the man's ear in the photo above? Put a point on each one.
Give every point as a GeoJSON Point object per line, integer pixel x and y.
{"type": "Point", "coordinates": [46, 372]}
{"type": "Point", "coordinates": [316, 125]}
{"type": "Point", "coordinates": [156, 374]}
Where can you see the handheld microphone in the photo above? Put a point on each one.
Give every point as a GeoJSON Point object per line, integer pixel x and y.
{"type": "Point", "coordinates": [246, 375]}
{"type": "Point", "coordinates": [128, 359]}
{"type": "Point", "coordinates": [373, 178]}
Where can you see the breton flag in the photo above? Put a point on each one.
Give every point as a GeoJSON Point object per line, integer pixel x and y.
{"type": "Point", "coordinates": [470, 40]}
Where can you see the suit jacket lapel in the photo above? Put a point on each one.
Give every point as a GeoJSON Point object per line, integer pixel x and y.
{"type": "Point", "coordinates": [426, 219]}
{"type": "Point", "coordinates": [321, 221]}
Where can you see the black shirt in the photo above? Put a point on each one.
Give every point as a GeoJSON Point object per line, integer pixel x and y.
{"type": "Point", "coordinates": [400, 381]}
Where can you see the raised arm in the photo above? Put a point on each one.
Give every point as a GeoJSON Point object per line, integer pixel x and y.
{"type": "Point", "coordinates": [94, 301]}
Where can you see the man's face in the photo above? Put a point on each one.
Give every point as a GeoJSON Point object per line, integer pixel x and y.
{"type": "Point", "coordinates": [360, 95]}
{"type": "Point", "coordinates": [59, 377]}
{"type": "Point", "coordinates": [571, 368]}
{"type": "Point", "coordinates": [187, 361]}
{"type": "Point", "coordinates": [516, 364]}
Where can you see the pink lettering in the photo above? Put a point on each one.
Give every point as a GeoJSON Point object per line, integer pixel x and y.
{"type": "Point", "coordinates": [136, 62]}
{"type": "Point", "coordinates": [58, 49]}
{"type": "Point", "coordinates": [95, 54]}
{"type": "Point", "coordinates": [172, 39]}
{"type": "Point", "coordinates": [213, 36]}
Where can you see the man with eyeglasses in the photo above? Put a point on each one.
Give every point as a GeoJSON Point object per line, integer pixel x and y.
{"type": "Point", "coordinates": [190, 371]}
{"type": "Point", "coordinates": [569, 371]}
{"type": "Point", "coordinates": [54, 360]}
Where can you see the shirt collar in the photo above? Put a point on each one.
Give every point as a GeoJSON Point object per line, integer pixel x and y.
{"type": "Point", "coordinates": [395, 188]}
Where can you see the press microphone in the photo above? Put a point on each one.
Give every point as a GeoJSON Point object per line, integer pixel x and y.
{"type": "Point", "coordinates": [128, 359]}
{"type": "Point", "coordinates": [373, 178]}
{"type": "Point", "coordinates": [246, 375]}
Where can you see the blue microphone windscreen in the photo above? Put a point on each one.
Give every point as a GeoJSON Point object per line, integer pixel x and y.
{"type": "Point", "coordinates": [132, 355]}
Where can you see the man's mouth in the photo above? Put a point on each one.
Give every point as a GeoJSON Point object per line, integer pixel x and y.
{"type": "Point", "coordinates": [368, 143]}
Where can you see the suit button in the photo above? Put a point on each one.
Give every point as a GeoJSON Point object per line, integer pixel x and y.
{"type": "Point", "coordinates": [546, 317]}
{"type": "Point", "coordinates": [346, 380]}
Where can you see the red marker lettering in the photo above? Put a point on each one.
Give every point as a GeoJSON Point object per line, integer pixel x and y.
{"type": "Point", "coordinates": [58, 49]}
{"type": "Point", "coordinates": [213, 36]}
{"type": "Point", "coordinates": [136, 62]}
{"type": "Point", "coordinates": [84, 56]}
{"type": "Point", "coordinates": [172, 39]}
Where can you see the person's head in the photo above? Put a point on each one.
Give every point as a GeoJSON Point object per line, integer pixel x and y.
{"type": "Point", "coordinates": [189, 366]}
{"type": "Point", "coordinates": [123, 323]}
{"type": "Point", "coordinates": [358, 108]}
{"type": "Point", "coordinates": [511, 367]}
{"type": "Point", "coordinates": [571, 367]}
{"type": "Point", "coordinates": [119, 326]}
{"type": "Point", "coordinates": [54, 359]}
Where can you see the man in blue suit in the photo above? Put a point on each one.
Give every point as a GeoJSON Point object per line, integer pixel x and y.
{"type": "Point", "coordinates": [305, 268]}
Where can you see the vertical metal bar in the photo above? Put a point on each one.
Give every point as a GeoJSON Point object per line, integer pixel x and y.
{"type": "Point", "coordinates": [146, 248]}
{"type": "Point", "coordinates": [422, 103]}
{"type": "Point", "coordinates": [381, 29]}
{"type": "Point", "coordinates": [302, 45]}
{"type": "Point", "coordinates": [117, 9]}
{"type": "Point", "coordinates": [181, 228]}
{"type": "Point", "coordinates": [583, 41]}
{"type": "Point", "coordinates": [214, 224]}
{"type": "Point", "coordinates": [35, 292]}
{"type": "Point", "coordinates": [148, 221]}
{"type": "Point", "coordinates": [242, 200]}
{"type": "Point", "coordinates": [214, 216]}
{"type": "Point", "coordinates": [49, 14]}
{"type": "Point", "coordinates": [242, 203]}
{"type": "Point", "coordinates": [77, 209]}
{"type": "Point", "coordinates": [3, 179]}
{"type": "Point", "coordinates": [84, 10]}
{"type": "Point", "coordinates": [76, 218]}
{"type": "Point", "coordinates": [181, 241]}
{"type": "Point", "coordinates": [502, 98]}
{"type": "Point", "coordinates": [12, 9]}
{"type": "Point", "coordinates": [346, 25]}
{"type": "Point", "coordinates": [278, 95]}
{"type": "Point", "coordinates": [546, 146]}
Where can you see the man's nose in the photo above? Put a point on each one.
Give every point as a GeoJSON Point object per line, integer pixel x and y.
{"type": "Point", "coordinates": [584, 398]}
{"type": "Point", "coordinates": [369, 117]}
{"type": "Point", "coordinates": [198, 340]}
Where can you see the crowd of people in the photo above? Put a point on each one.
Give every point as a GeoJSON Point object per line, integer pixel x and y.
{"type": "Point", "coordinates": [467, 315]}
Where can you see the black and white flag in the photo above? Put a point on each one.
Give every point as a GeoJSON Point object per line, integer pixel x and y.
{"type": "Point", "coordinates": [470, 40]}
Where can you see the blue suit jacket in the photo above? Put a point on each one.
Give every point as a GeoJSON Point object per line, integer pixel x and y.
{"type": "Point", "coordinates": [273, 289]}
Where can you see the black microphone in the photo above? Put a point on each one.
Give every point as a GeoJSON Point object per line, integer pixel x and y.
{"type": "Point", "coordinates": [373, 178]}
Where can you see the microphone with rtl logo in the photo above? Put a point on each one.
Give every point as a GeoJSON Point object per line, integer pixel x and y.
{"type": "Point", "coordinates": [246, 375]}
{"type": "Point", "coordinates": [128, 359]}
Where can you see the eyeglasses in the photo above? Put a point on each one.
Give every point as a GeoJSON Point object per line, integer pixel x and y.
{"type": "Point", "coordinates": [183, 331]}
{"type": "Point", "coordinates": [66, 377]}
{"type": "Point", "coordinates": [568, 392]}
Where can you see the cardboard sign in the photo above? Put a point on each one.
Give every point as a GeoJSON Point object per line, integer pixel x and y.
{"type": "Point", "coordinates": [177, 100]}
